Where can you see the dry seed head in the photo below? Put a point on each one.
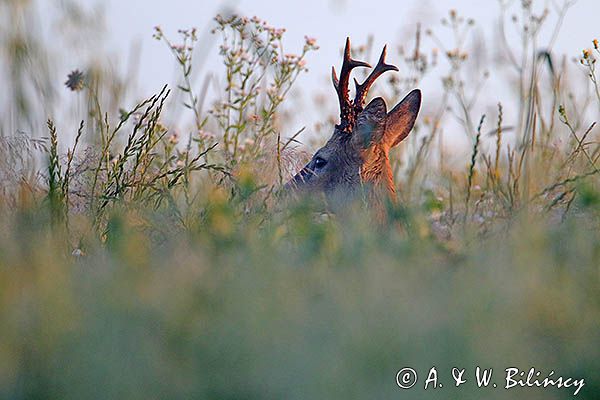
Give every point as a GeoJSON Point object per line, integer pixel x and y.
{"type": "Point", "coordinates": [75, 81]}
{"type": "Point", "coordinates": [310, 41]}
{"type": "Point", "coordinates": [586, 54]}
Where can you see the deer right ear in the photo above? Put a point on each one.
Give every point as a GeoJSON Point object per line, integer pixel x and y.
{"type": "Point", "coordinates": [402, 118]}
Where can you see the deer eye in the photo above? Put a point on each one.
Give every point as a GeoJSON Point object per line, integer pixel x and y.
{"type": "Point", "coordinates": [319, 163]}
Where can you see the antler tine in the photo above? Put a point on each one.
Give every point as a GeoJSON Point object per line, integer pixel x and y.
{"type": "Point", "coordinates": [363, 89]}
{"type": "Point", "coordinates": [334, 78]}
{"type": "Point", "coordinates": [341, 86]}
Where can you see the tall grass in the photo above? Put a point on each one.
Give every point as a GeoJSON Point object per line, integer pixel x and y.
{"type": "Point", "coordinates": [142, 262]}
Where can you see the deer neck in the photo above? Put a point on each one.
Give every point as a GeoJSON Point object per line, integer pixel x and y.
{"type": "Point", "coordinates": [377, 171]}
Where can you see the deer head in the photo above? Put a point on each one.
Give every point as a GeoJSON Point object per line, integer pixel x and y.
{"type": "Point", "coordinates": [357, 154]}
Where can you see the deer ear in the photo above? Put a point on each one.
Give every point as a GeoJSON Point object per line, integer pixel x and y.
{"type": "Point", "coordinates": [402, 118]}
{"type": "Point", "coordinates": [370, 123]}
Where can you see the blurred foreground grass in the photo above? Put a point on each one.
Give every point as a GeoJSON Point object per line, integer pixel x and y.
{"type": "Point", "coordinates": [325, 311]}
{"type": "Point", "coordinates": [144, 263]}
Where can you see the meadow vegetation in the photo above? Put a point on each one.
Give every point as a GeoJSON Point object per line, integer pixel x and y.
{"type": "Point", "coordinates": [143, 257]}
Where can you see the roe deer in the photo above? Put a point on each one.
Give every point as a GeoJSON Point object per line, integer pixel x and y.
{"type": "Point", "coordinates": [357, 154]}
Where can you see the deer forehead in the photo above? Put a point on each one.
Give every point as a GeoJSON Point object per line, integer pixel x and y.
{"type": "Point", "coordinates": [339, 146]}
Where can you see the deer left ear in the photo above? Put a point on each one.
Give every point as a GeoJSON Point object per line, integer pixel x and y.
{"type": "Point", "coordinates": [370, 123]}
{"type": "Point", "coordinates": [402, 118]}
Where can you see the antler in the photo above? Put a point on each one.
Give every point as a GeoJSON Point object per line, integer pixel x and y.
{"type": "Point", "coordinates": [363, 89]}
{"type": "Point", "coordinates": [349, 109]}
{"type": "Point", "coordinates": [341, 87]}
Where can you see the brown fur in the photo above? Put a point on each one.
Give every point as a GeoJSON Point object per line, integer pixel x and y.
{"type": "Point", "coordinates": [357, 154]}
{"type": "Point", "coordinates": [377, 170]}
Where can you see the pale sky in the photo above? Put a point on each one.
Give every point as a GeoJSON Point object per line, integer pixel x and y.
{"type": "Point", "coordinates": [329, 21]}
